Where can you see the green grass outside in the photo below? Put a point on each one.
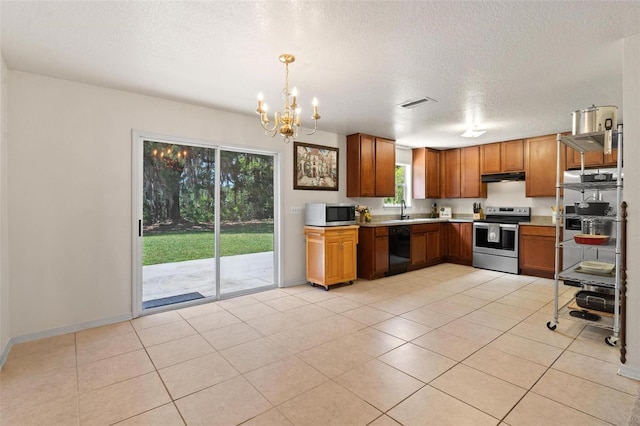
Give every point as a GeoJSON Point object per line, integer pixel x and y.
{"type": "Point", "coordinates": [178, 246]}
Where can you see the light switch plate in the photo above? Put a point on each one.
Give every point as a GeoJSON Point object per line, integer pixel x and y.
{"type": "Point", "coordinates": [297, 210]}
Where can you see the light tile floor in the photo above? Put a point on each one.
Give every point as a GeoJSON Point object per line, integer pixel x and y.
{"type": "Point", "coordinates": [444, 345]}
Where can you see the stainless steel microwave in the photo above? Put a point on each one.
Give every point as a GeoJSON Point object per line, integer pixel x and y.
{"type": "Point", "coordinates": [324, 214]}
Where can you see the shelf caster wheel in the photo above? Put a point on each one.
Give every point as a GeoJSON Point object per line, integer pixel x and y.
{"type": "Point", "coordinates": [326, 288]}
{"type": "Point", "coordinates": [551, 325]}
{"type": "Point", "coordinates": [312, 284]}
{"type": "Point", "coordinates": [611, 341]}
{"type": "Point", "coordinates": [350, 282]}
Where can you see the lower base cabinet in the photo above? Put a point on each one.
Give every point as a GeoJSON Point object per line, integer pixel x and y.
{"type": "Point", "coordinates": [426, 247]}
{"type": "Point", "coordinates": [460, 243]}
{"type": "Point", "coordinates": [373, 252]}
{"type": "Point", "coordinates": [537, 250]}
{"type": "Point", "coordinates": [331, 254]}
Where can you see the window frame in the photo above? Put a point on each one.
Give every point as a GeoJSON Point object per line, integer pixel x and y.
{"type": "Point", "coordinates": [406, 186]}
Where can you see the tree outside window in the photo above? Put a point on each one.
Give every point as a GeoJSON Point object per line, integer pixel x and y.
{"type": "Point", "coordinates": [403, 187]}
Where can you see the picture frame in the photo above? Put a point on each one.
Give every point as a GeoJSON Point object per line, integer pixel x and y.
{"type": "Point", "coordinates": [315, 167]}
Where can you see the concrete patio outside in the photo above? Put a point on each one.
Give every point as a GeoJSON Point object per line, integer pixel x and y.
{"type": "Point", "coordinates": [237, 273]}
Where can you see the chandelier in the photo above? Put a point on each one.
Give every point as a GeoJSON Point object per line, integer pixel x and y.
{"type": "Point", "coordinates": [288, 121]}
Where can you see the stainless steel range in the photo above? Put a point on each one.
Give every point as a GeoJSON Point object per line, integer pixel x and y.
{"type": "Point", "coordinates": [495, 238]}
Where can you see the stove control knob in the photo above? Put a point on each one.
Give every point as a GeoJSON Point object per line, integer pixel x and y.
{"type": "Point", "coordinates": [492, 236]}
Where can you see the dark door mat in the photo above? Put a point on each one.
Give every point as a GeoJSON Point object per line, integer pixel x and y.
{"type": "Point", "coordinates": [171, 300]}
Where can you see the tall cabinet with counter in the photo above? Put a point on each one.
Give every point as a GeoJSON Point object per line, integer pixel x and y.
{"type": "Point", "coordinates": [602, 287]}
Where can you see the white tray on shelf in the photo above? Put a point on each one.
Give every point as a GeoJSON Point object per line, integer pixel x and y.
{"type": "Point", "coordinates": [596, 267]}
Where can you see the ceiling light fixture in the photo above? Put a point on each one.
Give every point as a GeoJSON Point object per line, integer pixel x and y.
{"type": "Point", "coordinates": [287, 122]}
{"type": "Point", "coordinates": [473, 133]}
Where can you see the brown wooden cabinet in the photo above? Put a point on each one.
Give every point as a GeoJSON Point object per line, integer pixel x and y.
{"type": "Point", "coordinates": [592, 159]}
{"type": "Point", "coordinates": [371, 163]}
{"type": "Point", "coordinates": [373, 252]}
{"type": "Point", "coordinates": [471, 182]}
{"type": "Point", "coordinates": [490, 158]}
{"type": "Point", "coordinates": [426, 246]}
{"type": "Point", "coordinates": [460, 243]}
{"type": "Point", "coordinates": [537, 250]}
{"type": "Point", "coordinates": [540, 166]}
{"type": "Point", "coordinates": [426, 173]}
{"type": "Point", "coordinates": [512, 156]}
{"type": "Point", "coordinates": [418, 247]}
{"type": "Point", "coordinates": [331, 254]}
{"type": "Point", "coordinates": [502, 157]}
{"type": "Point", "coordinates": [435, 252]}
{"type": "Point", "coordinates": [461, 173]}
{"type": "Point", "coordinates": [451, 183]}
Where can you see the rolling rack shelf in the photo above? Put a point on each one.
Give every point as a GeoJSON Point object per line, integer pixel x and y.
{"type": "Point", "coordinates": [615, 282]}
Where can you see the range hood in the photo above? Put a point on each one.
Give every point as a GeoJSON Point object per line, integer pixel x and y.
{"type": "Point", "coordinates": [503, 177]}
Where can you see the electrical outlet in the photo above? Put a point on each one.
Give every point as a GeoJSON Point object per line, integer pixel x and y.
{"type": "Point", "coordinates": [297, 210]}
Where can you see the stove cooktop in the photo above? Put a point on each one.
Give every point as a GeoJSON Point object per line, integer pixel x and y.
{"type": "Point", "coordinates": [507, 215]}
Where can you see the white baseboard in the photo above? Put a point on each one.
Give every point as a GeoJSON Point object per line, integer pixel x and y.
{"type": "Point", "coordinates": [58, 331]}
{"type": "Point", "coordinates": [5, 352]}
{"type": "Point", "coordinates": [630, 372]}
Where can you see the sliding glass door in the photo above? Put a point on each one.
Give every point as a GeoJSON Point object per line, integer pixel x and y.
{"type": "Point", "coordinates": [246, 221]}
{"type": "Point", "coordinates": [205, 222]}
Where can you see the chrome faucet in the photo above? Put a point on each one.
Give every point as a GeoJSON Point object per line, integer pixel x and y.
{"type": "Point", "coordinates": [403, 206]}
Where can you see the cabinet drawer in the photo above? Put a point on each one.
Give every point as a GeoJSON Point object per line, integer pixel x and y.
{"type": "Point", "coordinates": [538, 231]}
{"type": "Point", "coordinates": [382, 231]}
{"type": "Point", "coordinates": [424, 227]}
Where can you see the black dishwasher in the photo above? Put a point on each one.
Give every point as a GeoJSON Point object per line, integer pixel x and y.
{"type": "Point", "coordinates": [399, 249]}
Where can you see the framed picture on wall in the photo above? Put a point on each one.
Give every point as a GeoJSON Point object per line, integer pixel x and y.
{"type": "Point", "coordinates": [315, 167]}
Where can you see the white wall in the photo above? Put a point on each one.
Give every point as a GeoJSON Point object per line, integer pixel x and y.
{"type": "Point", "coordinates": [631, 99]}
{"type": "Point", "coordinates": [70, 194]}
{"type": "Point", "coordinates": [4, 265]}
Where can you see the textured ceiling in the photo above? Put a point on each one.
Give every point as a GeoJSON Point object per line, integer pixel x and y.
{"type": "Point", "coordinates": [515, 69]}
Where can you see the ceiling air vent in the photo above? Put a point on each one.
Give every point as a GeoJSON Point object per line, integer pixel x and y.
{"type": "Point", "coordinates": [416, 102]}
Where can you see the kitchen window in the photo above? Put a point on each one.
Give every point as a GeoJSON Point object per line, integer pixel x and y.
{"type": "Point", "coordinates": [403, 187]}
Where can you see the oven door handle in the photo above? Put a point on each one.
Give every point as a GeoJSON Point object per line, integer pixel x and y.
{"type": "Point", "coordinates": [485, 225]}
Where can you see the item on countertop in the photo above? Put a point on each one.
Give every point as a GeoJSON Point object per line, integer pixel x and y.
{"type": "Point", "coordinates": [434, 210]}
{"type": "Point", "coordinates": [555, 213]}
{"type": "Point", "coordinates": [365, 214]}
{"type": "Point", "coordinates": [591, 239]}
{"type": "Point", "coordinates": [477, 211]}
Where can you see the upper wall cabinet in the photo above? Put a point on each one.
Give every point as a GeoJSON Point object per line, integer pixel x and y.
{"type": "Point", "coordinates": [591, 159]}
{"type": "Point", "coordinates": [461, 173]}
{"type": "Point", "coordinates": [471, 183]}
{"type": "Point", "coordinates": [540, 163]}
{"type": "Point", "coordinates": [450, 173]}
{"type": "Point", "coordinates": [426, 173]}
{"type": "Point", "coordinates": [502, 157]}
{"type": "Point", "coordinates": [371, 163]}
